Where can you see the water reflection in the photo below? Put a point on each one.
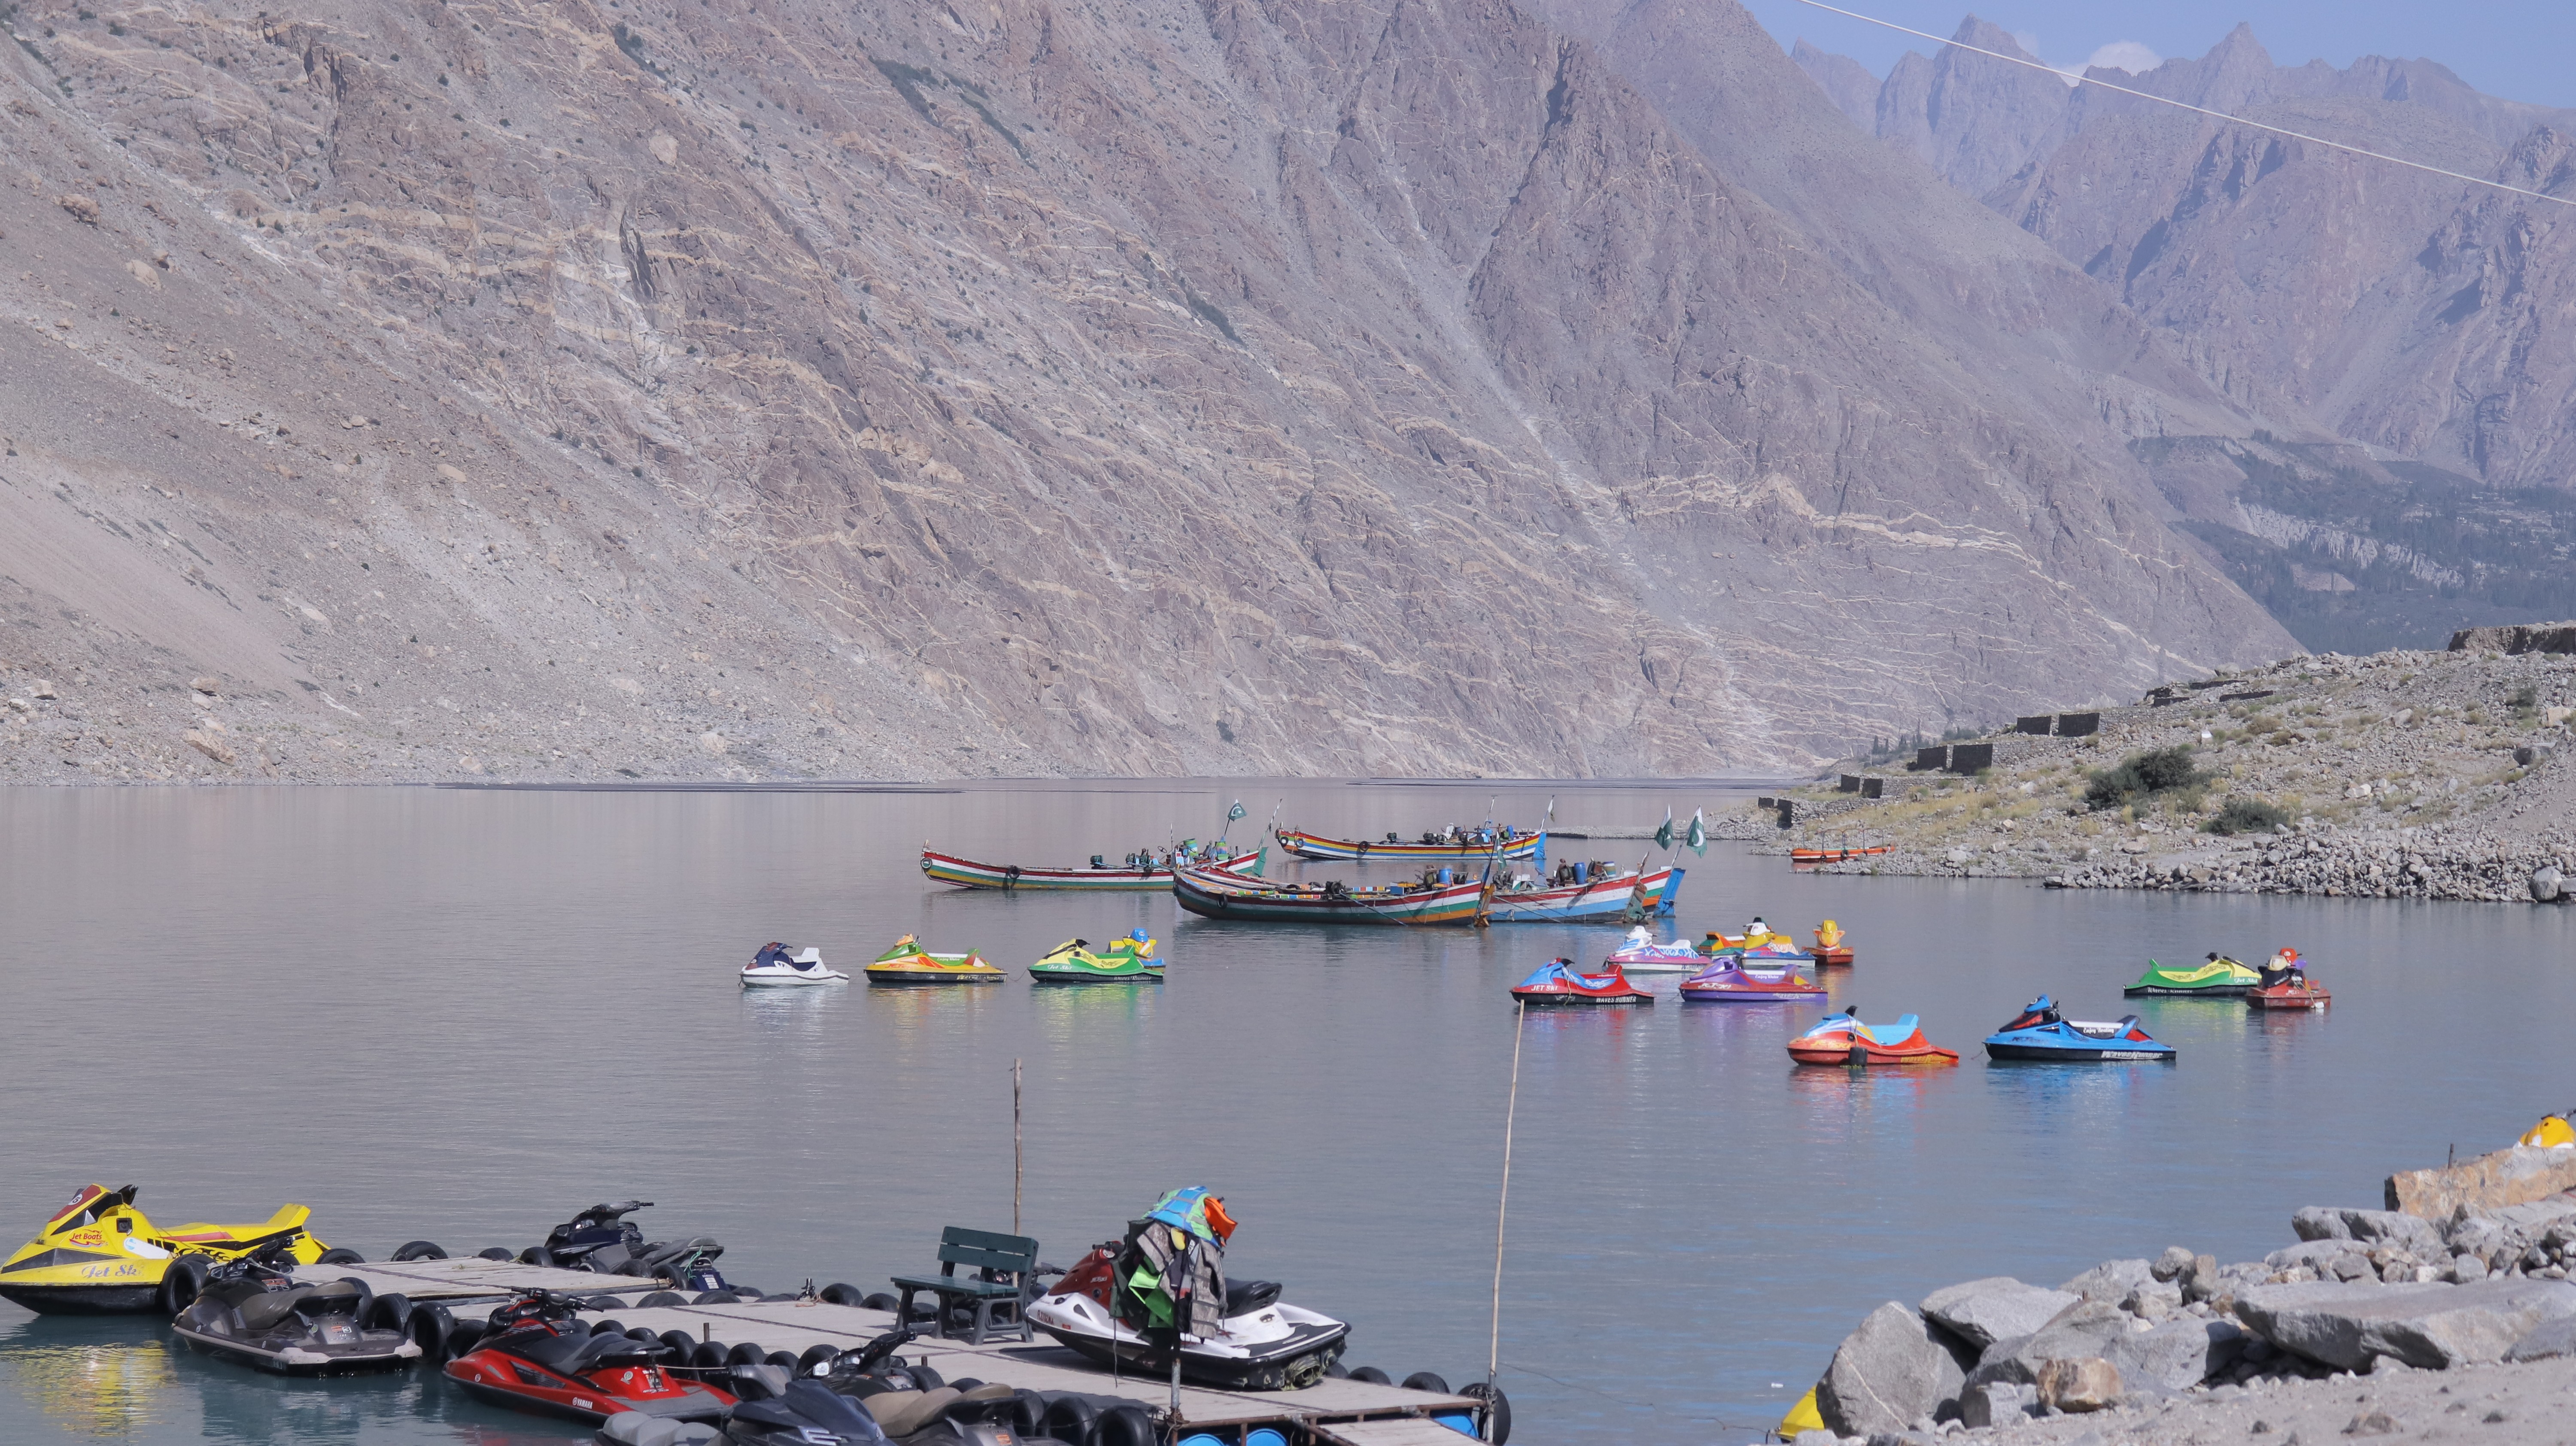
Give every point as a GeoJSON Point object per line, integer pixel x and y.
{"type": "Point", "coordinates": [88, 1377]}
{"type": "Point", "coordinates": [796, 1015]}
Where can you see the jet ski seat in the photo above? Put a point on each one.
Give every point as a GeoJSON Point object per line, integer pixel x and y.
{"type": "Point", "coordinates": [1242, 1297]}
{"type": "Point", "coordinates": [266, 1309]}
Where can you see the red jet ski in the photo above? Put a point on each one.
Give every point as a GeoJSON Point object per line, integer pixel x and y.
{"type": "Point", "coordinates": [2284, 985]}
{"type": "Point", "coordinates": [540, 1358]}
{"type": "Point", "coordinates": [1559, 982]}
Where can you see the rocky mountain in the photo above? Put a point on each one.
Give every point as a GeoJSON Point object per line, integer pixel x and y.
{"type": "Point", "coordinates": [2338, 298]}
{"type": "Point", "coordinates": [584, 389]}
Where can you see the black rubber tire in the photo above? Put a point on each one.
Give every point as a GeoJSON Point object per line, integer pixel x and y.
{"type": "Point", "coordinates": [711, 1354]}
{"type": "Point", "coordinates": [746, 1354]}
{"type": "Point", "coordinates": [419, 1250]}
{"type": "Point", "coordinates": [339, 1255]}
{"type": "Point", "coordinates": [683, 1346]}
{"type": "Point", "coordinates": [747, 1295]}
{"type": "Point", "coordinates": [1069, 1418]}
{"type": "Point", "coordinates": [463, 1336]}
{"type": "Point", "coordinates": [1125, 1424]}
{"type": "Point", "coordinates": [878, 1301]}
{"type": "Point", "coordinates": [1371, 1374]}
{"type": "Point", "coordinates": [841, 1293]}
{"type": "Point", "coordinates": [1337, 1371]}
{"type": "Point", "coordinates": [641, 1333]}
{"type": "Point", "coordinates": [660, 1299]}
{"type": "Point", "coordinates": [431, 1327]}
{"type": "Point", "coordinates": [964, 1383]}
{"type": "Point", "coordinates": [181, 1283]}
{"type": "Point", "coordinates": [495, 1253]}
{"type": "Point", "coordinates": [601, 1302]}
{"type": "Point", "coordinates": [1499, 1412]}
{"type": "Point", "coordinates": [814, 1356]}
{"type": "Point", "coordinates": [629, 1266]}
{"type": "Point", "coordinates": [1028, 1416]}
{"type": "Point", "coordinates": [387, 1312]}
{"type": "Point", "coordinates": [928, 1379]}
{"type": "Point", "coordinates": [609, 1327]}
{"type": "Point", "coordinates": [715, 1297]}
{"type": "Point", "coordinates": [1426, 1381]}
{"type": "Point", "coordinates": [536, 1255]}
{"type": "Point", "coordinates": [786, 1360]}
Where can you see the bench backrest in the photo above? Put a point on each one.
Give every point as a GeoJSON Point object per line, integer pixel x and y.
{"type": "Point", "coordinates": [987, 1250]}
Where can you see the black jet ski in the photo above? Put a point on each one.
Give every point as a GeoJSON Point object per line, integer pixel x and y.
{"type": "Point", "coordinates": [602, 1239]}
{"type": "Point", "coordinates": [253, 1310]}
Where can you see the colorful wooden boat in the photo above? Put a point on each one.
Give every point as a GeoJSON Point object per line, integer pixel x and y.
{"type": "Point", "coordinates": [1219, 894]}
{"type": "Point", "coordinates": [1830, 951]}
{"type": "Point", "coordinates": [1315, 846]}
{"type": "Point", "coordinates": [1833, 856]}
{"type": "Point", "coordinates": [907, 963]}
{"type": "Point", "coordinates": [1605, 898]}
{"type": "Point", "coordinates": [2218, 977]}
{"type": "Point", "coordinates": [1154, 874]}
{"type": "Point", "coordinates": [1558, 983]}
{"type": "Point", "coordinates": [1123, 961]}
{"type": "Point", "coordinates": [1735, 980]}
{"type": "Point", "coordinates": [1843, 1039]}
{"type": "Point", "coordinates": [2295, 993]}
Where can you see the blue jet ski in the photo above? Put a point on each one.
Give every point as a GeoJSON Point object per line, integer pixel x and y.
{"type": "Point", "coordinates": [2041, 1033]}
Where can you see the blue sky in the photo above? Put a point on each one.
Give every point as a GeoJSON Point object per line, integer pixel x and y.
{"type": "Point", "coordinates": [2518, 49]}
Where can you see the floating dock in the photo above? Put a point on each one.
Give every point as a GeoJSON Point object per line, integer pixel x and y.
{"type": "Point", "coordinates": [1352, 1413]}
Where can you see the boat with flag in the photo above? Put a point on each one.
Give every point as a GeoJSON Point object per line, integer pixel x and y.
{"type": "Point", "coordinates": [1476, 843]}
{"type": "Point", "coordinates": [1601, 898]}
{"type": "Point", "coordinates": [1134, 873]}
{"type": "Point", "coordinates": [1226, 894]}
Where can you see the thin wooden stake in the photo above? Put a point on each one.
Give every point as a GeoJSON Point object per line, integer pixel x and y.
{"type": "Point", "coordinates": [1502, 1207]}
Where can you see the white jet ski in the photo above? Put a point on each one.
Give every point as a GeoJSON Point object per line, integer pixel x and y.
{"type": "Point", "coordinates": [775, 965]}
{"type": "Point", "coordinates": [1265, 1345]}
{"type": "Point", "coordinates": [1642, 955]}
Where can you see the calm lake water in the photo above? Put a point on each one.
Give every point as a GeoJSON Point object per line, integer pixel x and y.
{"type": "Point", "coordinates": [463, 1015]}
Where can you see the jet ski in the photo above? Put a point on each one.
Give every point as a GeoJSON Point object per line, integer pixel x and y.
{"type": "Point", "coordinates": [253, 1310]}
{"type": "Point", "coordinates": [2039, 1032]}
{"type": "Point", "coordinates": [1642, 955]}
{"type": "Point", "coordinates": [775, 965]}
{"type": "Point", "coordinates": [1830, 951]}
{"type": "Point", "coordinates": [908, 963]}
{"type": "Point", "coordinates": [539, 1357]}
{"type": "Point", "coordinates": [1073, 962]}
{"type": "Point", "coordinates": [2218, 977]}
{"type": "Point", "coordinates": [602, 1239]}
{"type": "Point", "coordinates": [2283, 984]}
{"type": "Point", "coordinates": [1739, 979]}
{"type": "Point", "coordinates": [840, 1409]}
{"type": "Point", "coordinates": [1162, 1292]}
{"type": "Point", "coordinates": [1843, 1039]}
{"type": "Point", "coordinates": [100, 1255]}
{"type": "Point", "coordinates": [1558, 982]}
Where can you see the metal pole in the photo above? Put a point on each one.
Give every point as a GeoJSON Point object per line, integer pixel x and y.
{"type": "Point", "coordinates": [1502, 1207]}
{"type": "Point", "coordinates": [1015, 1147]}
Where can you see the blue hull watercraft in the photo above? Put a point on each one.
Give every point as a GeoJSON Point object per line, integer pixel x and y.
{"type": "Point", "coordinates": [2041, 1033]}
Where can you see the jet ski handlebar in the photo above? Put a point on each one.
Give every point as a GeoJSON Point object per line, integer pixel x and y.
{"type": "Point", "coordinates": [868, 1357]}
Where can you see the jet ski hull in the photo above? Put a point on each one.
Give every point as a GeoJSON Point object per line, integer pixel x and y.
{"type": "Point", "coordinates": [776, 978]}
{"type": "Point", "coordinates": [305, 1359]}
{"type": "Point", "coordinates": [100, 1255]}
{"type": "Point", "coordinates": [2068, 1042]}
{"type": "Point", "coordinates": [2288, 996]}
{"type": "Point", "coordinates": [1282, 1348]}
{"type": "Point", "coordinates": [497, 1379]}
{"type": "Point", "coordinates": [84, 1299]}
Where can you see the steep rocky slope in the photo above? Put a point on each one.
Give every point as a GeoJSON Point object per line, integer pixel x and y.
{"type": "Point", "coordinates": [558, 389]}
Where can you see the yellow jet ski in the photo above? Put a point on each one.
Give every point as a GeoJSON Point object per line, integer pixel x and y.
{"type": "Point", "coordinates": [1073, 962]}
{"type": "Point", "coordinates": [908, 963]}
{"type": "Point", "coordinates": [101, 1256]}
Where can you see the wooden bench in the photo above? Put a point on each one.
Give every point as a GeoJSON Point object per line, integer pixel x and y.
{"type": "Point", "coordinates": [1000, 1262]}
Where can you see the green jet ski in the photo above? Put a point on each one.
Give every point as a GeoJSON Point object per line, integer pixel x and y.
{"type": "Point", "coordinates": [1073, 962]}
{"type": "Point", "coordinates": [2217, 978]}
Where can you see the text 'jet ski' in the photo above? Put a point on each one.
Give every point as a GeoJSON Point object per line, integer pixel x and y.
{"type": "Point", "coordinates": [2039, 1032]}
{"type": "Point", "coordinates": [1163, 1290]}
{"type": "Point", "coordinates": [776, 964]}
{"type": "Point", "coordinates": [100, 1255]}
{"type": "Point", "coordinates": [252, 1310]}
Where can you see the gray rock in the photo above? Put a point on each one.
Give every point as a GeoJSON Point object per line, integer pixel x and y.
{"type": "Point", "coordinates": [2389, 1227]}
{"type": "Point", "coordinates": [1997, 1403]}
{"type": "Point", "coordinates": [2177, 1355]}
{"type": "Point", "coordinates": [1887, 1373]}
{"type": "Point", "coordinates": [1982, 1312]}
{"type": "Point", "coordinates": [2555, 1336]}
{"type": "Point", "coordinates": [2176, 1259]}
{"type": "Point", "coordinates": [2152, 1300]}
{"type": "Point", "coordinates": [2465, 1268]}
{"type": "Point", "coordinates": [2111, 1280]}
{"type": "Point", "coordinates": [2432, 1326]}
{"type": "Point", "coordinates": [2085, 1329]}
{"type": "Point", "coordinates": [2547, 883]}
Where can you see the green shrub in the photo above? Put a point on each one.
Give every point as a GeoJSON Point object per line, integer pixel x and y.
{"type": "Point", "coordinates": [2526, 697]}
{"type": "Point", "coordinates": [2248, 815]}
{"type": "Point", "coordinates": [2141, 774]}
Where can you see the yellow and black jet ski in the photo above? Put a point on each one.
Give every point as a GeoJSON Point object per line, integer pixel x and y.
{"type": "Point", "coordinates": [101, 1256]}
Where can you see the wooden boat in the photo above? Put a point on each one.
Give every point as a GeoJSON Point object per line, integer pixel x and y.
{"type": "Point", "coordinates": [1605, 898]}
{"type": "Point", "coordinates": [1830, 951]}
{"type": "Point", "coordinates": [1221, 894]}
{"type": "Point", "coordinates": [2289, 994]}
{"type": "Point", "coordinates": [968, 874]}
{"type": "Point", "coordinates": [1316, 846]}
{"type": "Point", "coordinates": [1833, 856]}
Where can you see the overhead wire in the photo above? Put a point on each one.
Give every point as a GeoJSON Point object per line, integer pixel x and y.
{"type": "Point", "coordinates": [2185, 105]}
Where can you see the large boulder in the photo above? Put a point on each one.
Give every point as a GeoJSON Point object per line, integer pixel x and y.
{"type": "Point", "coordinates": [2087, 1328]}
{"type": "Point", "coordinates": [1997, 1403]}
{"type": "Point", "coordinates": [2111, 1281]}
{"type": "Point", "coordinates": [2091, 1384]}
{"type": "Point", "coordinates": [2555, 1336]}
{"type": "Point", "coordinates": [2177, 1355]}
{"type": "Point", "coordinates": [2433, 1327]}
{"type": "Point", "coordinates": [2377, 1227]}
{"type": "Point", "coordinates": [1888, 1374]}
{"type": "Point", "coordinates": [1982, 1312]}
{"type": "Point", "coordinates": [2511, 1176]}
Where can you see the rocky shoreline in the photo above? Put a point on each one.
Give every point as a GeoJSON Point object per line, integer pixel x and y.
{"type": "Point", "coordinates": [2375, 1322]}
{"type": "Point", "coordinates": [2402, 775]}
